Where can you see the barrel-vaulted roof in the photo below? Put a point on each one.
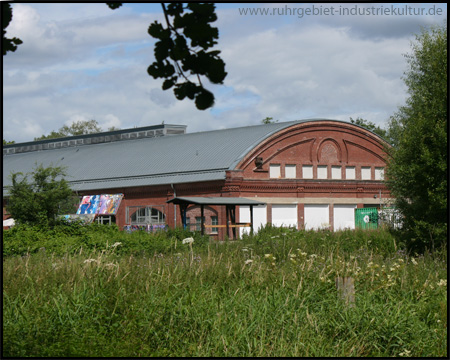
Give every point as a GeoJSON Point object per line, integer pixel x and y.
{"type": "Point", "coordinates": [184, 158]}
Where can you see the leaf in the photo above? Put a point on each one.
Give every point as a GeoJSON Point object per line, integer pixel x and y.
{"type": "Point", "coordinates": [157, 31]}
{"type": "Point", "coordinates": [204, 100]}
{"type": "Point", "coordinates": [167, 84]}
{"type": "Point", "coordinates": [114, 5]}
{"type": "Point", "coordinates": [180, 91]}
{"type": "Point", "coordinates": [162, 49]}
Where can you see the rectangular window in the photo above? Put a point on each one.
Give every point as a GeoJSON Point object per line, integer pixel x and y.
{"type": "Point", "coordinates": [336, 172]}
{"type": "Point", "coordinates": [214, 221]}
{"type": "Point", "coordinates": [322, 172]}
{"type": "Point", "coordinates": [307, 171]}
{"type": "Point", "coordinates": [275, 171]}
{"type": "Point", "coordinates": [291, 171]}
{"type": "Point", "coordinates": [198, 222]}
{"type": "Point", "coordinates": [188, 223]}
{"type": "Point", "coordinates": [366, 173]}
{"type": "Point", "coordinates": [105, 219]}
{"type": "Point", "coordinates": [379, 173]}
{"type": "Point", "coordinates": [350, 173]}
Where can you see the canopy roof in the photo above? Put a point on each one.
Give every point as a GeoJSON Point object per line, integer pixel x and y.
{"type": "Point", "coordinates": [207, 200]}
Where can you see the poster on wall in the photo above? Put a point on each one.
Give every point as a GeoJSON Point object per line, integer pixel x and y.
{"type": "Point", "coordinates": [89, 204]}
{"type": "Point", "coordinates": [109, 204]}
{"type": "Point", "coordinates": [100, 204]}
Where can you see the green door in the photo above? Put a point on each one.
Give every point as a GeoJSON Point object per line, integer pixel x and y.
{"type": "Point", "coordinates": [366, 218]}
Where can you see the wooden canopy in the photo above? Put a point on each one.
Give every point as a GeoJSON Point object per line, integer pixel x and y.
{"type": "Point", "coordinates": [229, 202]}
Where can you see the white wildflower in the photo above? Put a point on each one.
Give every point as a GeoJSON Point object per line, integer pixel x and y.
{"type": "Point", "coordinates": [249, 261]}
{"type": "Point", "coordinates": [414, 261]}
{"type": "Point", "coordinates": [88, 261]}
{"type": "Point", "coordinates": [442, 282]}
{"type": "Point", "coordinates": [188, 240]}
{"type": "Point", "coordinates": [405, 353]}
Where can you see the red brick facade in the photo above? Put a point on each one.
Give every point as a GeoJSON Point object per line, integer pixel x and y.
{"type": "Point", "coordinates": [337, 146]}
{"type": "Point", "coordinates": [317, 162]}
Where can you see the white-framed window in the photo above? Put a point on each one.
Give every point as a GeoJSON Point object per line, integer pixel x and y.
{"type": "Point", "coordinates": [145, 215]}
{"type": "Point", "coordinates": [322, 172]}
{"type": "Point", "coordinates": [198, 222]}
{"type": "Point", "coordinates": [214, 221]}
{"type": "Point", "coordinates": [307, 172]}
{"type": "Point", "coordinates": [336, 172]}
{"type": "Point", "coordinates": [366, 173]}
{"type": "Point", "coordinates": [188, 223]}
{"type": "Point", "coordinates": [350, 173]}
{"type": "Point", "coordinates": [106, 219]}
{"type": "Point", "coordinates": [275, 171]}
{"type": "Point", "coordinates": [379, 173]}
{"type": "Point", "coordinates": [290, 171]}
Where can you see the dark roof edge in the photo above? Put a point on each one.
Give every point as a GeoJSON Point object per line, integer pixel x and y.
{"type": "Point", "coordinates": [102, 133]}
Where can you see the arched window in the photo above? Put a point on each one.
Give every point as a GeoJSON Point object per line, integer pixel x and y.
{"type": "Point", "coordinates": [145, 215]}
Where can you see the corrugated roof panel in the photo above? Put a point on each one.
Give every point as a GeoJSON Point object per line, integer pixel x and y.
{"type": "Point", "coordinates": [148, 161]}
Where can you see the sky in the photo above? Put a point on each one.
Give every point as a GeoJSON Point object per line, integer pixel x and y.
{"type": "Point", "coordinates": [84, 61]}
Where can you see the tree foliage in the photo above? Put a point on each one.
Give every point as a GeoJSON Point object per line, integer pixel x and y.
{"type": "Point", "coordinates": [76, 128]}
{"type": "Point", "coordinates": [370, 126]}
{"type": "Point", "coordinates": [183, 51]}
{"type": "Point", "coordinates": [7, 43]}
{"type": "Point", "coordinates": [37, 202]}
{"type": "Point", "coordinates": [417, 164]}
{"type": "Point", "coordinates": [268, 120]}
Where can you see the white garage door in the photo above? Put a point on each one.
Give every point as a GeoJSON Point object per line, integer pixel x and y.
{"type": "Point", "coordinates": [317, 216]}
{"type": "Point", "coordinates": [284, 215]}
{"type": "Point", "coordinates": [259, 217]}
{"type": "Point", "coordinates": [344, 217]}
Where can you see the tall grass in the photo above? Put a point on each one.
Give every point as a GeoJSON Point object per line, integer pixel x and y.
{"type": "Point", "coordinates": [272, 294]}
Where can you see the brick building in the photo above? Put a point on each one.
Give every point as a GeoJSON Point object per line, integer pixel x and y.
{"type": "Point", "coordinates": [308, 174]}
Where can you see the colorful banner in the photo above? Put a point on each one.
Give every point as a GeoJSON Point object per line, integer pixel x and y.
{"type": "Point", "coordinates": [112, 204]}
{"type": "Point", "coordinates": [100, 204]}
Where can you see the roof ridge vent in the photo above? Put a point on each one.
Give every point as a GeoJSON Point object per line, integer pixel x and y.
{"type": "Point", "coordinates": [97, 138]}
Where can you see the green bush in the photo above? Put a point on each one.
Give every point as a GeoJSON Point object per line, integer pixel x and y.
{"type": "Point", "coordinates": [74, 237]}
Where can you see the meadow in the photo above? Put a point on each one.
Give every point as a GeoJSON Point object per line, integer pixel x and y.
{"type": "Point", "coordinates": [95, 291]}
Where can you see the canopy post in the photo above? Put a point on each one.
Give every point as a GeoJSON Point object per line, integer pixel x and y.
{"type": "Point", "coordinates": [231, 218]}
{"type": "Point", "coordinates": [202, 219]}
{"type": "Point", "coordinates": [251, 219]}
{"type": "Point", "coordinates": [227, 211]}
{"type": "Point", "coordinates": [183, 211]}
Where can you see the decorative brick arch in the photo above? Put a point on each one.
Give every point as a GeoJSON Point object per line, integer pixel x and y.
{"type": "Point", "coordinates": [327, 138]}
{"type": "Point", "coordinates": [329, 152]}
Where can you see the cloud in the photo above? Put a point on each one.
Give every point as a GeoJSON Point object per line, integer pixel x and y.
{"type": "Point", "coordinates": [92, 64]}
{"type": "Point", "coordinates": [320, 70]}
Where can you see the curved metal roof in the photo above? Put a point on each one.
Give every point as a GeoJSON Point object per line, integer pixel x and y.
{"type": "Point", "coordinates": [184, 158]}
{"type": "Point", "coordinates": [192, 157]}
